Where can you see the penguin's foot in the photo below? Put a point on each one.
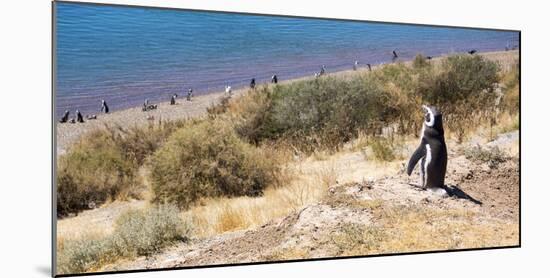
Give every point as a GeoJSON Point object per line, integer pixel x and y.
{"type": "Point", "coordinates": [438, 191]}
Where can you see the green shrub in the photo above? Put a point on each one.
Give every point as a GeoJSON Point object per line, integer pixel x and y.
{"type": "Point", "coordinates": [93, 171]}
{"type": "Point", "coordinates": [137, 232]}
{"type": "Point", "coordinates": [311, 114]}
{"type": "Point", "coordinates": [462, 80]}
{"type": "Point", "coordinates": [325, 113]}
{"type": "Point", "coordinates": [209, 159]}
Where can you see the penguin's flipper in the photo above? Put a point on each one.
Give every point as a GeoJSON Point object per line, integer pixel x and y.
{"type": "Point", "coordinates": [417, 155]}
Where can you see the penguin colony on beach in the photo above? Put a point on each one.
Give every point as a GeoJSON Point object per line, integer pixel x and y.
{"type": "Point", "coordinates": [432, 151]}
{"type": "Point", "coordinates": [274, 79]}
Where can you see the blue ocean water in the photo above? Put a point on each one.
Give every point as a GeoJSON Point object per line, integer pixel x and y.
{"type": "Point", "coordinates": [126, 54]}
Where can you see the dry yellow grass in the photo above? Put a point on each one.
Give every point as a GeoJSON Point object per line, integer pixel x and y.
{"type": "Point", "coordinates": [412, 229]}
{"type": "Point", "coordinates": [310, 179]}
{"type": "Point", "coordinates": [218, 215]}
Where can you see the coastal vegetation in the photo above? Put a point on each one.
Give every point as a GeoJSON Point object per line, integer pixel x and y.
{"type": "Point", "coordinates": [236, 168]}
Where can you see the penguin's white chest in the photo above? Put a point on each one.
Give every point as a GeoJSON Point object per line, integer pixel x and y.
{"type": "Point", "coordinates": [427, 161]}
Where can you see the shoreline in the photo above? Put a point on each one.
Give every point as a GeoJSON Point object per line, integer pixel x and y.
{"type": "Point", "coordinates": [67, 133]}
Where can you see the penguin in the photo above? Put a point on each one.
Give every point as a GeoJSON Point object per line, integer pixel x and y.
{"type": "Point", "coordinates": [322, 72]}
{"type": "Point", "coordinates": [432, 152]}
{"type": "Point", "coordinates": [368, 66]}
{"type": "Point", "coordinates": [173, 99]}
{"type": "Point", "coordinates": [472, 52]}
{"type": "Point", "coordinates": [145, 105]}
{"type": "Point", "coordinates": [355, 65]}
{"type": "Point", "coordinates": [189, 94]}
{"type": "Point", "coordinates": [394, 56]}
{"type": "Point", "coordinates": [104, 107]}
{"type": "Point", "coordinates": [274, 79]}
{"type": "Point", "coordinates": [228, 90]}
{"type": "Point", "coordinates": [429, 57]}
{"type": "Point", "coordinates": [79, 117]}
{"type": "Point", "coordinates": [65, 117]}
{"type": "Point", "coordinates": [253, 83]}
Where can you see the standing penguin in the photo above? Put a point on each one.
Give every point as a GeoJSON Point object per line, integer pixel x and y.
{"type": "Point", "coordinates": [253, 83]}
{"type": "Point", "coordinates": [104, 106]}
{"type": "Point", "coordinates": [274, 79]}
{"type": "Point", "coordinates": [173, 99]}
{"type": "Point", "coordinates": [79, 117]}
{"type": "Point", "coordinates": [432, 151]}
{"type": "Point", "coordinates": [395, 56]}
{"type": "Point", "coordinates": [189, 94]}
{"type": "Point", "coordinates": [65, 117]}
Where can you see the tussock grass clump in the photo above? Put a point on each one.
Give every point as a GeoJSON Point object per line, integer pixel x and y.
{"type": "Point", "coordinates": [209, 159]}
{"type": "Point", "coordinates": [103, 165]}
{"type": "Point", "coordinates": [137, 232]}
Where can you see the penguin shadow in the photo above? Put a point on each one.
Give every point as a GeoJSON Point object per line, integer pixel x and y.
{"type": "Point", "coordinates": [454, 191]}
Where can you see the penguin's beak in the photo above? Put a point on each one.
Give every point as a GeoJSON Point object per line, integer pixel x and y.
{"type": "Point", "coordinates": [425, 107]}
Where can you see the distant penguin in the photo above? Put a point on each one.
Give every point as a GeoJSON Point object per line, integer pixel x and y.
{"type": "Point", "coordinates": [253, 83]}
{"type": "Point", "coordinates": [274, 79]}
{"type": "Point", "coordinates": [472, 52]}
{"type": "Point", "coordinates": [228, 90]}
{"type": "Point", "coordinates": [368, 66]}
{"type": "Point", "coordinates": [317, 75]}
{"type": "Point", "coordinates": [323, 69]}
{"type": "Point", "coordinates": [104, 107]}
{"type": "Point", "coordinates": [355, 65]}
{"type": "Point", "coordinates": [91, 117]}
{"type": "Point", "coordinates": [429, 57]}
{"type": "Point", "coordinates": [173, 99]}
{"type": "Point", "coordinates": [79, 117]}
{"type": "Point", "coordinates": [432, 151]}
{"type": "Point", "coordinates": [189, 94]}
{"type": "Point", "coordinates": [145, 105]}
{"type": "Point", "coordinates": [65, 117]}
{"type": "Point", "coordinates": [395, 56]}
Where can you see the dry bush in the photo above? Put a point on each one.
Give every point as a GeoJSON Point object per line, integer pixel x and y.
{"type": "Point", "coordinates": [93, 171]}
{"type": "Point", "coordinates": [137, 232]}
{"type": "Point", "coordinates": [493, 155]}
{"type": "Point", "coordinates": [208, 159]}
{"type": "Point", "coordinates": [103, 165]}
